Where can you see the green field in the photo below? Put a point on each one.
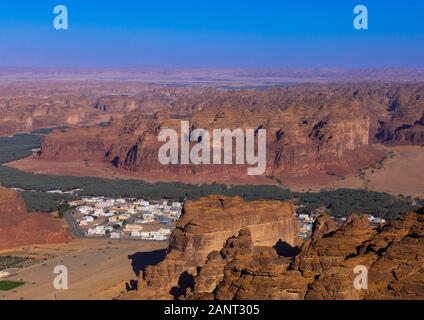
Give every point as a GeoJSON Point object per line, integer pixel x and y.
{"type": "Point", "coordinates": [9, 285]}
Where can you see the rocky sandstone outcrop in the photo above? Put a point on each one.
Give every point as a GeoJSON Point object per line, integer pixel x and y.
{"type": "Point", "coordinates": [405, 121]}
{"type": "Point", "coordinates": [310, 130]}
{"type": "Point", "coordinates": [325, 267]}
{"type": "Point", "coordinates": [18, 227]}
{"type": "Point", "coordinates": [204, 228]}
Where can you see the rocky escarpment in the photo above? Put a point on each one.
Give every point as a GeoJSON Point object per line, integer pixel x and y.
{"type": "Point", "coordinates": [309, 130]}
{"type": "Point", "coordinates": [405, 121]}
{"type": "Point", "coordinates": [326, 266]}
{"type": "Point", "coordinates": [205, 227]}
{"type": "Point", "coordinates": [18, 227]}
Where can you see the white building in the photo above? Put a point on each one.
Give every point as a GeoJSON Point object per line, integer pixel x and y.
{"type": "Point", "coordinates": [376, 220]}
{"type": "Point", "coordinates": [164, 231]}
{"type": "Point", "coordinates": [115, 235]}
{"type": "Point", "coordinates": [88, 219]}
{"type": "Point", "coordinates": [133, 228]}
{"type": "Point", "coordinates": [142, 203]}
{"type": "Point", "coordinates": [124, 216]}
{"type": "Point", "coordinates": [99, 212]}
{"type": "Point", "coordinates": [92, 200]}
{"type": "Point", "coordinates": [85, 209]}
{"type": "Point", "coordinates": [158, 236]}
{"type": "Point", "coordinates": [105, 203]}
{"type": "Point", "coordinates": [97, 231]}
{"type": "Point", "coordinates": [131, 210]}
{"type": "Point", "coordinates": [145, 235]}
{"type": "Point", "coordinates": [135, 234]}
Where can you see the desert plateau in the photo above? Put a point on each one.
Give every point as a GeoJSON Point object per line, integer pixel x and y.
{"type": "Point", "coordinates": [82, 187]}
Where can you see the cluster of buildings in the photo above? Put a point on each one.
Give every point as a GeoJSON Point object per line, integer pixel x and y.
{"type": "Point", "coordinates": [126, 218]}
{"type": "Point", "coordinates": [306, 222]}
{"type": "Point", "coordinates": [375, 220]}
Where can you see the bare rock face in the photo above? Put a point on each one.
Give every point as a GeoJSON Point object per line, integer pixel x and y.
{"type": "Point", "coordinates": [12, 207]}
{"type": "Point", "coordinates": [248, 266]}
{"type": "Point", "coordinates": [405, 121]}
{"type": "Point", "coordinates": [313, 131]}
{"type": "Point", "coordinates": [393, 256]}
{"type": "Point", "coordinates": [308, 131]}
{"type": "Point", "coordinates": [325, 250]}
{"type": "Point", "coordinates": [253, 273]}
{"type": "Point", "coordinates": [213, 271]}
{"type": "Point", "coordinates": [205, 227]}
{"type": "Point", "coordinates": [18, 228]}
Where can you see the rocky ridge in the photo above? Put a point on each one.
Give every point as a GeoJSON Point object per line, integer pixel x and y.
{"type": "Point", "coordinates": [311, 130]}
{"type": "Point", "coordinates": [324, 267]}
{"type": "Point", "coordinates": [205, 227]}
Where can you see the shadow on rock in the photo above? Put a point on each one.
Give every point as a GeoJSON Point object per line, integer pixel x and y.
{"type": "Point", "coordinates": [140, 260]}
{"type": "Point", "coordinates": [286, 250]}
{"type": "Point", "coordinates": [185, 282]}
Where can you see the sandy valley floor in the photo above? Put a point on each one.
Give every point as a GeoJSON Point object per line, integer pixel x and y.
{"type": "Point", "coordinates": [98, 269]}
{"type": "Point", "coordinates": [401, 174]}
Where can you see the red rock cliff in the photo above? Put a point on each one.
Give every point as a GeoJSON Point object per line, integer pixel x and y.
{"type": "Point", "coordinates": [204, 227]}
{"type": "Point", "coordinates": [18, 227]}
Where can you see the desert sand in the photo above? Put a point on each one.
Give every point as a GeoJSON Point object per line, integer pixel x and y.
{"type": "Point", "coordinates": [98, 268]}
{"type": "Point", "coordinates": [401, 174]}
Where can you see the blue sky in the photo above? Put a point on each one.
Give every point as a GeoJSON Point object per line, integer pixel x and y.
{"type": "Point", "coordinates": [212, 34]}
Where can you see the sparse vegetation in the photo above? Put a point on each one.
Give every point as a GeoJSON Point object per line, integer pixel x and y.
{"type": "Point", "coordinates": [62, 209]}
{"type": "Point", "coordinates": [11, 262]}
{"type": "Point", "coordinates": [343, 202]}
{"type": "Point", "coordinates": [339, 202]}
{"type": "Point", "coordinates": [44, 202]}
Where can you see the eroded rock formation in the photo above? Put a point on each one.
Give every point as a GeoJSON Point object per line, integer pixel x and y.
{"type": "Point", "coordinates": [18, 227]}
{"type": "Point", "coordinates": [325, 267]}
{"type": "Point", "coordinates": [204, 228]}
{"type": "Point", "coordinates": [317, 133]}
{"type": "Point", "coordinates": [310, 130]}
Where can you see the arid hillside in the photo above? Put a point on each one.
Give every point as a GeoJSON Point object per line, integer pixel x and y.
{"type": "Point", "coordinates": [28, 106]}
{"type": "Point", "coordinates": [19, 228]}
